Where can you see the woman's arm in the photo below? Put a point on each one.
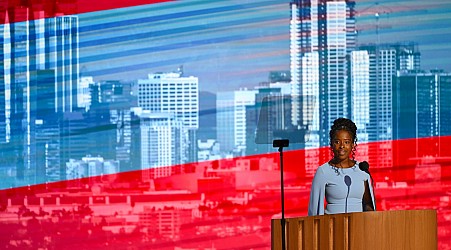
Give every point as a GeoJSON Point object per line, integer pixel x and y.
{"type": "Point", "coordinates": [367, 199]}
{"type": "Point", "coordinates": [317, 194]}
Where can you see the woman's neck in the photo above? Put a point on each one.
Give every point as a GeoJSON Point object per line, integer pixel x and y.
{"type": "Point", "coordinates": [346, 163]}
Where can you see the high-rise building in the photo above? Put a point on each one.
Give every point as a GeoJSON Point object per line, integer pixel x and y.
{"type": "Point", "coordinates": [84, 92]}
{"type": "Point", "coordinates": [5, 81]}
{"type": "Point", "coordinates": [31, 45]}
{"type": "Point", "coordinates": [48, 153]}
{"type": "Point", "coordinates": [17, 80]}
{"type": "Point", "coordinates": [74, 136]}
{"type": "Point", "coordinates": [385, 61]}
{"type": "Point", "coordinates": [408, 57]}
{"type": "Point", "coordinates": [174, 93]}
{"type": "Point", "coordinates": [421, 116]}
{"type": "Point", "coordinates": [161, 143]}
{"type": "Point", "coordinates": [45, 144]}
{"type": "Point", "coordinates": [122, 117]}
{"type": "Point", "coordinates": [303, 58]}
{"type": "Point", "coordinates": [421, 108]}
{"type": "Point", "coordinates": [360, 104]}
{"type": "Point", "coordinates": [111, 118]}
{"type": "Point", "coordinates": [231, 119]}
{"type": "Point", "coordinates": [322, 34]}
{"type": "Point", "coordinates": [171, 93]}
{"type": "Point", "coordinates": [62, 54]}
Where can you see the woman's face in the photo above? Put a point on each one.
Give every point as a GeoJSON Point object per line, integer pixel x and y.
{"type": "Point", "coordinates": [342, 145]}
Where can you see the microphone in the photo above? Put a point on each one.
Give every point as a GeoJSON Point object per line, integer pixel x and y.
{"type": "Point", "coordinates": [364, 166]}
{"type": "Point", "coordinates": [348, 183]}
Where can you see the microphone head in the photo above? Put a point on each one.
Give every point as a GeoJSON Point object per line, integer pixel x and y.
{"type": "Point", "coordinates": [364, 166]}
{"type": "Point", "coordinates": [347, 180]}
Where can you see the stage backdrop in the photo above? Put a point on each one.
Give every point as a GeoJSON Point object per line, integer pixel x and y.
{"type": "Point", "coordinates": [150, 124]}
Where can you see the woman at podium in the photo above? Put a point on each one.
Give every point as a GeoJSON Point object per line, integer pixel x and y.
{"type": "Point", "coordinates": [340, 181]}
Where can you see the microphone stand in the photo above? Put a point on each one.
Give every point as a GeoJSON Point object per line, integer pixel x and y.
{"type": "Point", "coordinates": [348, 183]}
{"type": "Point", "coordinates": [346, 204]}
{"type": "Point", "coordinates": [281, 144]}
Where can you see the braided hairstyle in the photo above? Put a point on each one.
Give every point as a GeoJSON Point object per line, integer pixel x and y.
{"type": "Point", "coordinates": [344, 124]}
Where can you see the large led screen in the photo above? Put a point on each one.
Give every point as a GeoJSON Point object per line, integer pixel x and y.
{"type": "Point", "coordinates": [146, 124]}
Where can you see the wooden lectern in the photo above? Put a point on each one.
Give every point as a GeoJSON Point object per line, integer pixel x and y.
{"type": "Point", "coordinates": [404, 229]}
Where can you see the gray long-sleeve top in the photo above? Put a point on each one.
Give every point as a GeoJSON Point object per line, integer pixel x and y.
{"type": "Point", "coordinates": [329, 182]}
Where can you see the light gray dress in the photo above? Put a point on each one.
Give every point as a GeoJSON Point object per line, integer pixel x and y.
{"type": "Point", "coordinates": [329, 182]}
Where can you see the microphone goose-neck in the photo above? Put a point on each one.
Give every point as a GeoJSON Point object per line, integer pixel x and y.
{"type": "Point", "coordinates": [348, 182]}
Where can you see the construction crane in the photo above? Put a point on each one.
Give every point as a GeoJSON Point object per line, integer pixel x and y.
{"type": "Point", "coordinates": [377, 11]}
{"type": "Point", "coordinates": [376, 16]}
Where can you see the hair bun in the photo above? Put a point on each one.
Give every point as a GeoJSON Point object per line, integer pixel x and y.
{"type": "Point", "coordinates": [343, 124]}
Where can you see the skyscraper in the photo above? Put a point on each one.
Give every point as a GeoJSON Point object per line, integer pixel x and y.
{"type": "Point", "coordinates": [421, 116]}
{"type": "Point", "coordinates": [172, 93]}
{"type": "Point", "coordinates": [421, 108]}
{"type": "Point", "coordinates": [176, 94]}
{"type": "Point", "coordinates": [62, 54]}
{"type": "Point", "coordinates": [30, 45]}
{"type": "Point", "coordinates": [46, 137]}
{"type": "Point", "coordinates": [16, 80]}
{"type": "Point", "coordinates": [360, 104]}
{"type": "Point", "coordinates": [322, 34]}
{"type": "Point", "coordinates": [385, 61]}
{"type": "Point", "coordinates": [231, 119]}
{"type": "Point", "coordinates": [112, 102]}
{"type": "Point", "coordinates": [161, 143]}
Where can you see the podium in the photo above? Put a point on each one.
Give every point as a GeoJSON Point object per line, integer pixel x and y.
{"type": "Point", "coordinates": [402, 229]}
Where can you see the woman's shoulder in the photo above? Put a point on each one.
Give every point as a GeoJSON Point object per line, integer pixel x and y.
{"type": "Point", "coordinates": [321, 174]}
{"type": "Point", "coordinates": [323, 169]}
{"type": "Point", "coordinates": [324, 166]}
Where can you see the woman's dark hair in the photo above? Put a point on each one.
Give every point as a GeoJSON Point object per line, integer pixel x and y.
{"type": "Point", "coordinates": [343, 124]}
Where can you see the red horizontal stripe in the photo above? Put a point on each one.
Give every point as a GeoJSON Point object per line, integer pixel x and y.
{"type": "Point", "coordinates": [19, 11]}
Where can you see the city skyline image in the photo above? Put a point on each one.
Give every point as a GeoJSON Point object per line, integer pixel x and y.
{"type": "Point", "coordinates": [150, 124]}
{"type": "Point", "coordinates": [266, 27]}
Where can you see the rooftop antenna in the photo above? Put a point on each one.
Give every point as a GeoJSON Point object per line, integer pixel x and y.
{"type": "Point", "coordinates": [180, 70]}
